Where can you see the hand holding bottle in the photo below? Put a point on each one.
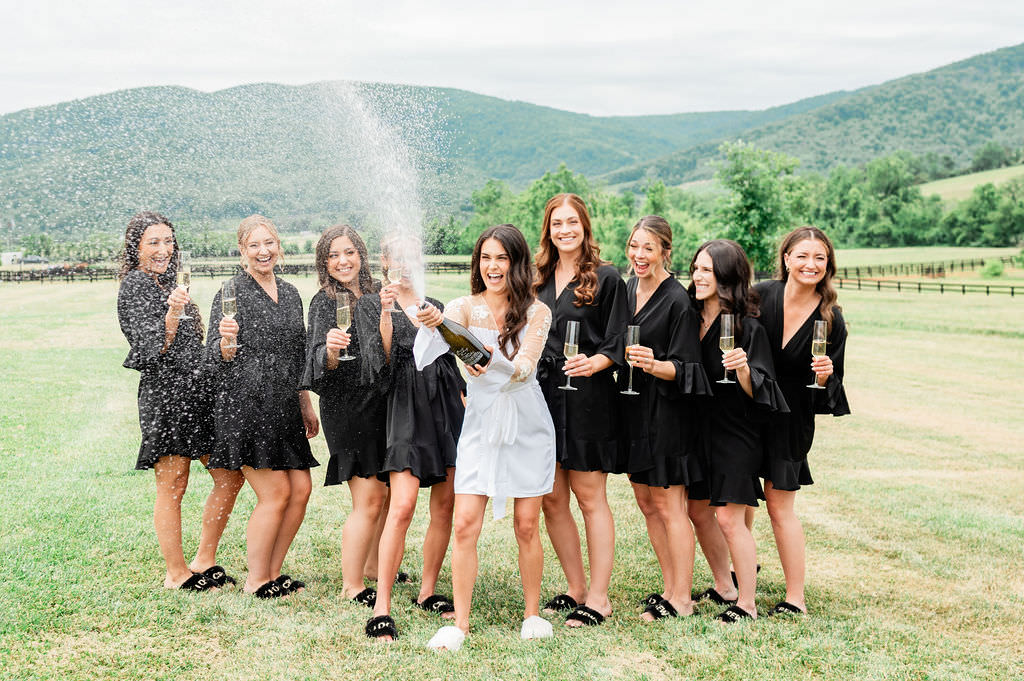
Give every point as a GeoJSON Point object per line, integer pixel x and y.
{"type": "Point", "coordinates": [477, 370]}
{"type": "Point", "coordinates": [429, 316]}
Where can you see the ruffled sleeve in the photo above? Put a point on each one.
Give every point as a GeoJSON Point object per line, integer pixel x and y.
{"type": "Point", "coordinates": [374, 369]}
{"type": "Point", "coordinates": [141, 308]}
{"type": "Point", "coordinates": [684, 351]}
{"type": "Point", "coordinates": [766, 392]}
{"type": "Point", "coordinates": [833, 399]}
{"type": "Point", "coordinates": [212, 353]}
{"type": "Point", "coordinates": [319, 323]}
{"type": "Point", "coordinates": [612, 301]}
{"type": "Point", "coordinates": [538, 323]}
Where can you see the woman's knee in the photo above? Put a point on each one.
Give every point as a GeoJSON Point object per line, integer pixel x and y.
{"type": "Point", "coordinates": [467, 527]}
{"type": "Point", "coordinates": [527, 528]}
{"type": "Point", "coordinates": [644, 501]}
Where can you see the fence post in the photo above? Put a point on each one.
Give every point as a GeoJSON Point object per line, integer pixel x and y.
{"type": "Point", "coordinates": [941, 287]}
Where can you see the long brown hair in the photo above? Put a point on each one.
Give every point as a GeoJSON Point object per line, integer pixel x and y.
{"type": "Point", "coordinates": [590, 257]}
{"type": "Point", "coordinates": [733, 276]}
{"type": "Point", "coordinates": [517, 282]}
{"type": "Point", "coordinates": [323, 249]}
{"type": "Point", "coordinates": [824, 287]}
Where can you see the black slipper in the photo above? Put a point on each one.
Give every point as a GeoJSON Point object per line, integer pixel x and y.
{"type": "Point", "coordinates": [562, 602]}
{"type": "Point", "coordinates": [198, 582]}
{"type": "Point", "coordinates": [382, 625]}
{"type": "Point", "coordinates": [661, 609]}
{"type": "Point", "coordinates": [733, 573]}
{"type": "Point", "coordinates": [367, 597]}
{"type": "Point", "coordinates": [586, 616]}
{"type": "Point", "coordinates": [713, 596]}
{"type": "Point", "coordinates": [436, 604]}
{"type": "Point", "coordinates": [734, 614]}
{"type": "Point", "coordinates": [219, 576]}
{"type": "Point", "coordinates": [650, 599]}
{"type": "Point", "coordinates": [289, 585]}
{"type": "Point", "coordinates": [269, 590]}
{"type": "Point", "coordinates": [785, 608]}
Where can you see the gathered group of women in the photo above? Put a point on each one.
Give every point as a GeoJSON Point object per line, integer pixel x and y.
{"type": "Point", "coordinates": [564, 400]}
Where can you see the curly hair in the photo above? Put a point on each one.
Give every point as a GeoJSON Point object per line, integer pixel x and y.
{"type": "Point", "coordinates": [824, 287]}
{"type": "Point", "coordinates": [518, 281]}
{"type": "Point", "coordinates": [323, 248]}
{"type": "Point", "coordinates": [590, 256]}
{"type": "Point", "coordinates": [733, 275]}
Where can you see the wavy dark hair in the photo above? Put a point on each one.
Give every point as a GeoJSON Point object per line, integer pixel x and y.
{"type": "Point", "coordinates": [662, 231]}
{"type": "Point", "coordinates": [328, 283]}
{"type": "Point", "coordinates": [824, 287]}
{"type": "Point", "coordinates": [590, 257]}
{"type": "Point", "coordinates": [733, 276]}
{"type": "Point", "coordinates": [518, 281]}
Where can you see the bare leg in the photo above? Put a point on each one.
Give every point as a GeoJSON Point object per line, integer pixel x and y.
{"type": "Point", "coordinates": [357, 535]}
{"type": "Point", "coordinates": [216, 512]}
{"type": "Point", "coordinates": [743, 551]}
{"type": "Point", "coordinates": [370, 569]}
{"type": "Point", "coordinates": [404, 490]}
{"type": "Point", "coordinates": [713, 545]}
{"type": "Point", "coordinates": [748, 518]}
{"type": "Point", "coordinates": [564, 535]}
{"type": "Point", "coordinates": [655, 530]}
{"type": "Point", "coordinates": [439, 534]}
{"type": "Point", "coordinates": [589, 488]}
{"type": "Point", "coordinates": [273, 489]}
{"type": "Point", "coordinates": [789, 539]}
{"type": "Point", "coordinates": [531, 555]}
{"type": "Point", "coordinates": [171, 482]}
{"type": "Point", "coordinates": [295, 512]}
{"type": "Point", "coordinates": [671, 507]}
{"type": "Point", "coordinates": [469, 518]}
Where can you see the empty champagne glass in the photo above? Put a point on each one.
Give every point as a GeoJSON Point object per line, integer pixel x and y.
{"type": "Point", "coordinates": [184, 275]}
{"type": "Point", "coordinates": [344, 318]}
{"type": "Point", "coordinates": [632, 338]}
{"type": "Point", "coordinates": [229, 306]}
{"type": "Point", "coordinates": [726, 341]}
{"type": "Point", "coordinates": [570, 348]}
{"type": "Point", "coordinates": [818, 348]}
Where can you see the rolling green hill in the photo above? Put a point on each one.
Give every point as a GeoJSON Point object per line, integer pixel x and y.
{"type": "Point", "coordinates": [951, 110]}
{"type": "Point", "coordinates": [960, 187]}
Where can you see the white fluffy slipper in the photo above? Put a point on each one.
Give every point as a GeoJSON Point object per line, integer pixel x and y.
{"type": "Point", "coordinates": [447, 638]}
{"type": "Point", "coordinates": [536, 626]}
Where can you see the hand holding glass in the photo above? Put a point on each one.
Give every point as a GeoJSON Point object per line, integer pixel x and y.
{"type": "Point", "coordinates": [184, 275]}
{"type": "Point", "coordinates": [229, 306]}
{"type": "Point", "coordinates": [726, 342]}
{"type": "Point", "coordinates": [570, 348]}
{"type": "Point", "coordinates": [344, 318]}
{"type": "Point", "coordinates": [632, 338]}
{"type": "Point", "coordinates": [818, 344]}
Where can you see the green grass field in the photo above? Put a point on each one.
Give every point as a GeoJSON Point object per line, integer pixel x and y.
{"type": "Point", "coordinates": [853, 257]}
{"type": "Point", "coordinates": [959, 188]}
{"type": "Point", "coordinates": [914, 528]}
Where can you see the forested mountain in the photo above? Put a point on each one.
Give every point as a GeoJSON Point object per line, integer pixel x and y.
{"type": "Point", "coordinates": [951, 111]}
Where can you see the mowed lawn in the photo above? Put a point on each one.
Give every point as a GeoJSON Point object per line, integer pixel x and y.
{"type": "Point", "coordinates": [915, 529]}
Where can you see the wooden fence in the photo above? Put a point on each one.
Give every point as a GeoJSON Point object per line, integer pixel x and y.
{"type": "Point", "coordinates": [921, 269]}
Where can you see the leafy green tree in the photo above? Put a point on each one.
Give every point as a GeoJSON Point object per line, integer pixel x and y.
{"type": "Point", "coordinates": [991, 155]}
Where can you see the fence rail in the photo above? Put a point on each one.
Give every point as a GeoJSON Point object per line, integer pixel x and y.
{"type": "Point", "coordinates": [921, 269]}
{"type": "Point", "coordinates": [858, 284]}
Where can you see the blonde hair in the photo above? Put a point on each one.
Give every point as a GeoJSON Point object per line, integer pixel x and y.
{"type": "Point", "coordinates": [248, 226]}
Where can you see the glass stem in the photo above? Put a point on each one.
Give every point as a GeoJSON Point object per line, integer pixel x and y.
{"type": "Point", "coordinates": [630, 388]}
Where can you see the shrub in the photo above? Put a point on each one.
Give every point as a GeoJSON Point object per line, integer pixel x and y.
{"type": "Point", "coordinates": [992, 268]}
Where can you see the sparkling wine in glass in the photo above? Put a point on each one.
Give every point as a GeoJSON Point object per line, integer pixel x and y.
{"type": "Point", "coordinates": [344, 318]}
{"type": "Point", "coordinates": [570, 348]}
{"type": "Point", "coordinates": [184, 276]}
{"type": "Point", "coordinates": [726, 341]}
{"type": "Point", "coordinates": [632, 338]}
{"type": "Point", "coordinates": [229, 306]}
{"type": "Point", "coordinates": [818, 344]}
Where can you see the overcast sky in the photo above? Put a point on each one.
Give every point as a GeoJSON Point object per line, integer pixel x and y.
{"type": "Point", "coordinates": [603, 58]}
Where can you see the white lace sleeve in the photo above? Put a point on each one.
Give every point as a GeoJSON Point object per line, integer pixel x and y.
{"type": "Point", "coordinates": [458, 310]}
{"type": "Point", "coordinates": [538, 322]}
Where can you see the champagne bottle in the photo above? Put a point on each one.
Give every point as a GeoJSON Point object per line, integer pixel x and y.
{"type": "Point", "coordinates": [463, 343]}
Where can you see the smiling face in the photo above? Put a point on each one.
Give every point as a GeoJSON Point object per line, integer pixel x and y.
{"type": "Point", "coordinates": [566, 231]}
{"type": "Point", "coordinates": [645, 254]}
{"type": "Point", "coordinates": [704, 283]}
{"type": "Point", "coordinates": [261, 251]}
{"type": "Point", "coordinates": [156, 247]}
{"type": "Point", "coordinates": [807, 262]}
{"type": "Point", "coordinates": [494, 265]}
{"type": "Point", "coordinates": [343, 262]}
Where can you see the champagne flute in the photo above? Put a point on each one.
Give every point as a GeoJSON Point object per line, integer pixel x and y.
{"type": "Point", "coordinates": [229, 306]}
{"type": "Point", "coordinates": [344, 318]}
{"type": "Point", "coordinates": [570, 348]}
{"type": "Point", "coordinates": [184, 276]}
{"type": "Point", "coordinates": [726, 342]}
{"type": "Point", "coordinates": [818, 348]}
{"type": "Point", "coordinates": [632, 338]}
{"type": "Point", "coordinates": [387, 282]}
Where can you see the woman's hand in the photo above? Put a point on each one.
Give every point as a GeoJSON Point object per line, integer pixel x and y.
{"type": "Point", "coordinates": [581, 365]}
{"type": "Point", "coordinates": [177, 301]}
{"type": "Point", "coordinates": [476, 369]}
{"type": "Point", "coordinates": [228, 329]}
{"type": "Point", "coordinates": [388, 294]}
{"type": "Point", "coordinates": [642, 357]}
{"type": "Point", "coordinates": [309, 418]}
{"type": "Point", "coordinates": [337, 340]}
{"type": "Point", "coordinates": [736, 360]}
{"type": "Point", "coordinates": [822, 368]}
{"type": "Point", "coordinates": [429, 316]}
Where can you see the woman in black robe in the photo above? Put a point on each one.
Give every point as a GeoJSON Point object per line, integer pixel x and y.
{"type": "Point", "coordinates": [263, 416]}
{"type": "Point", "coordinates": [352, 413]}
{"type": "Point", "coordinates": [424, 419]}
{"type": "Point", "coordinates": [175, 399]}
{"type": "Point", "coordinates": [577, 285]}
{"type": "Point", "coordinates": [733, 421]}
{"type": "Point", "coordinates": [659, 429]}
{"type": "Point", "coordinates": [790, 306]}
